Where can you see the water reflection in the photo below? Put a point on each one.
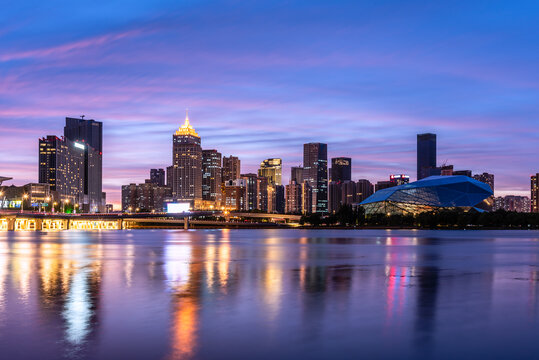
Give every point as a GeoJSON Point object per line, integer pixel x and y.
{"type": "Point", "coordinates": [262, 294]}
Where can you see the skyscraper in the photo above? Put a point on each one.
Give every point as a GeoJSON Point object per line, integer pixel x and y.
{"type": "Point", "coordinates": [186, 172]}
{"type": "Point", "coordinates": [315, 165]}
{"type": "Point", "coordinates": [87, 135]}
{"type": "Point", "coordinates": [364, 189]}
{"type": "Point", "coordinates": [341, 169]}
{"type": "Point", "coordinates": [211, 175]}
{"type": "Point", "coordinates": [272, 170]}
{"type": "Point", "coordinates": [231, 168]}
{"type": "Point", "coordinates": [426, 155]}
{"type": "Point", "coordinates": [535, 193]}
{"type": "Point", "coordinates": [157, 177]}
{"type": "Point", "coordinates": [296, 174]}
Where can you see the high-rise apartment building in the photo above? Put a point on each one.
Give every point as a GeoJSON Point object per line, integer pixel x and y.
{"type": "Point", "coordinates": [315, 173]}
{"type": "Point", "coordinates": [145, 197]}
{"type": "Point", "coordinates": [184, 177]}
{"type": "Point", "coordinates": [234, 195]}
{"type": "Point", "coordinates": [272, 170]}
{"type": "Point", "coordinates": [293, 195]}
{"type": "Point", "coordinates": [426, 155]}
{"type": "Point", "coordinates": [157, 177]}
{"type": "Point", "coordinates": [534, 193]}
{"type": "Point", "coordinates": [512, 203]}
{"type": "Point", "coordinates": [341, 169]}
{"type": "Point", "coordinates": [61, 165]}
{"type": "Point", "coordinates": [211, 175]}
{"type": "Point", "coordinates": [231, 168]}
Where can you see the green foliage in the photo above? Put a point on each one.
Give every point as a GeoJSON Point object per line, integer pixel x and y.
{"type": "Point", "coordinates": [347, 216]}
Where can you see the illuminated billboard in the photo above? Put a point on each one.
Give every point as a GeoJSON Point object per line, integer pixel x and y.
{"type": "Point", "coordinates": [177, 208]}
{"type": "Point", "coordinates": [80, 146]}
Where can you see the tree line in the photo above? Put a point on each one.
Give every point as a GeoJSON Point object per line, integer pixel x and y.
{"type": "Point", "coordinates": [348, 216]}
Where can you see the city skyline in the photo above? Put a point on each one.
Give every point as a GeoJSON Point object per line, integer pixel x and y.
{"type": "Point", "coordinates": [346, 81]}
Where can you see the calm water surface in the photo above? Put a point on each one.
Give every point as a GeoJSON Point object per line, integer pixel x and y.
{"type": "Point", "coordinates": [269, 294]}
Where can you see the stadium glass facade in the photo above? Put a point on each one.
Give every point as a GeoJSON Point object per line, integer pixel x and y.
{"type": "Point", "coordinates": [429, 194]}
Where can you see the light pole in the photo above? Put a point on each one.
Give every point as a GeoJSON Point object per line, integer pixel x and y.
{"type": "Point", "coordinates": [54, 205]}
{"type": "Point", "coordinates": [76, 207]}
{"type": "Point", "coordinates": [64, 205]}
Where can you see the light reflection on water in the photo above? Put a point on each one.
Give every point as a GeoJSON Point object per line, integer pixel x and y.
{"type": "Point", "coordinates": [286, 294]}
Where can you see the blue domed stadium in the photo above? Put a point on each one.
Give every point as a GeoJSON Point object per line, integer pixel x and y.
{"type": "Point", "coordinates": [428, 194]}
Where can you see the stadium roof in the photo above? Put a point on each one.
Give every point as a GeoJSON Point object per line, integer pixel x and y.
{"type": "Point", "coordinates": [436, 191]}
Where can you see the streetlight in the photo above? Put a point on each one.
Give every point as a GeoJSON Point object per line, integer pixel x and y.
{"type": "Point", "coordinates": [64, 205]}
{"type": "Point", "coordinates": [54, 205]}
{"type": "Point", "coordinates": [130, 209]}
{"type": "Point", "coordinates": [76, 207]}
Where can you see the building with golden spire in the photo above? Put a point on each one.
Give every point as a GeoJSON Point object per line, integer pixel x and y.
{"type": "Point", "coordinates": [185, 175]}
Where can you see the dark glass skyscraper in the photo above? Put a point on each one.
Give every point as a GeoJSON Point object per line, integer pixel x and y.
{"type": "Point", "coordinates": [341, 169]}
{"type": "Point", "coordinates": [426, 155]}
{"type": "Point", "coordinates": [315, 172]}
{"type": "Point", "coordinates": [88, 136]}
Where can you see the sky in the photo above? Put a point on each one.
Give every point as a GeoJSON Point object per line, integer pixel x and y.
{"type": "Point", "coordinates": [260, 78]}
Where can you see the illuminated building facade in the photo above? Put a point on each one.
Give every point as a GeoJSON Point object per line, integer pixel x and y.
{"type": "Point", "coordinates": [211, 175]}
{"type": "Point", "coordinates": [231, 168]}
{"type": "Point", "coordinates": [534, 193]}
{"type": "Point", "coordinates": [185, 175]}
{"type": "Point", "coordinates": [315, 173]}
{"type": "Point", "coordinates": [234, 195]}
{"type": "Point", "coordinates": [512, 203]}
{"type": "Point", "coordinates": [272, 170]}
{"type": "Point", "coordinates": [341, 169]}
{"type": "Point", "coordinates": [293, 195]}
{"type": "Point", "coordinates": [429, 194]}
{"type": "Point", "coordinates": [145, 197]}
{"type": "Point", "coordinates": [256, 192]}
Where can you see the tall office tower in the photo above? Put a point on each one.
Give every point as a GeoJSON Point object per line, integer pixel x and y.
{"type": "Point", "coordinates": [364, 189]}
{"type": "Point", "coordinates": [272, 170]}
{"type": "Point", "coordinates": [296, 174]}
{"type": "Point", "coordinates": [251, 191]}
{"type": "Point", "coordinates": [61, 165]}
{"type": "Point", "coordinates": [315, 165]}
{"type": "Point", "coordinates": [231, 168]}
{"type": "Point", "coordinates": [279, 203]}
{"type": "Point", "coordinates": [334, 196]}
{"type": "Point", "coordinates": [293, 192]}
{"type": "Point", "coordinates": [211, 175]}
{"type": "Point", "coordinates": [341, 169]}
{"type": "Point", "coordinates": [157, 177]}
{"type": "Point", "coordinates": [262, 194]}
{"type": "Point", "coordinates": [534, 207]}
{"type": "Point", "coordinates": [426, 155]}
{"type": "Point", "coordinates": [186, 172]}
{"type": "Point", "coordinates": [88, 136]}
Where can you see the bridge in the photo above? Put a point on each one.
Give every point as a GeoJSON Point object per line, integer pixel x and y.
{"type": "Point", "coordinates": [39, 221]}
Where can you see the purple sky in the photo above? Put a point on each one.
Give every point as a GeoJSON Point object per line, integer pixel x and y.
{"type": "Point", "coordinates": [262, 78]}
